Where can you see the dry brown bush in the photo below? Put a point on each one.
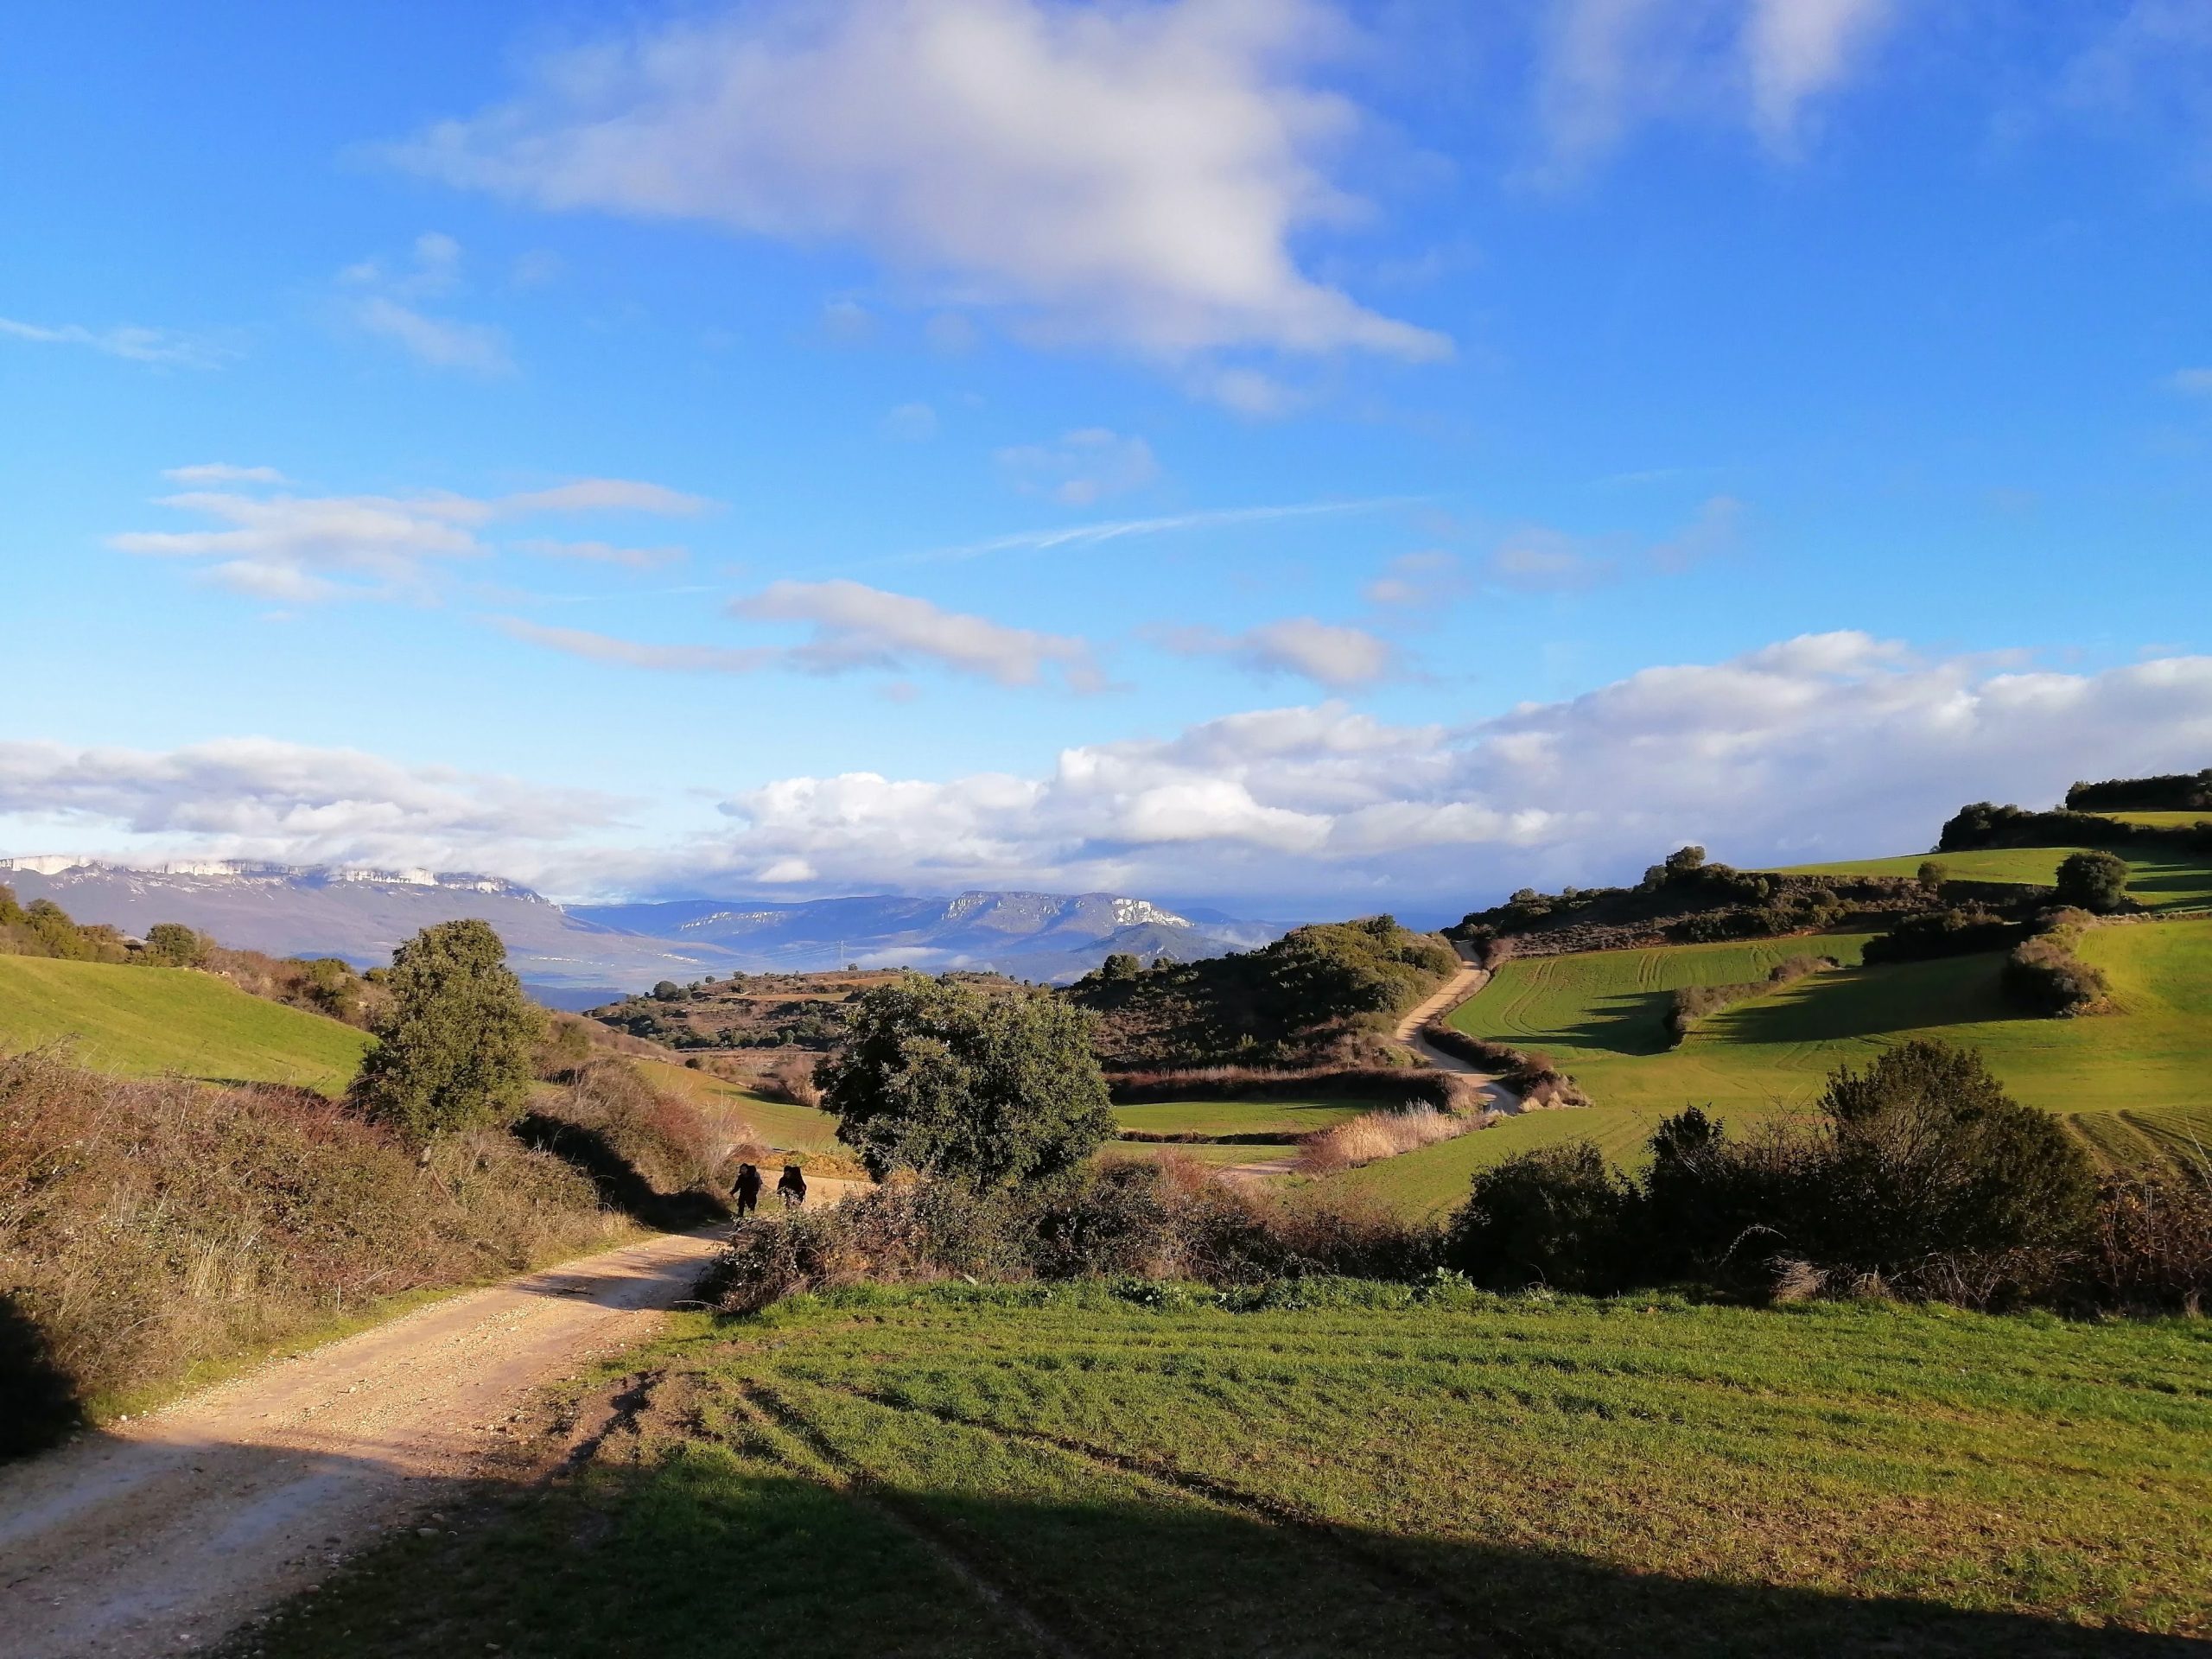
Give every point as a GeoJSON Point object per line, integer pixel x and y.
{"type": "Point", "coordinates": [149, 1224]}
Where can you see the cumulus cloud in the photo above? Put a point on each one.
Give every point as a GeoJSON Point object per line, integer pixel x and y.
{"type": "Point", "coordinates": [1828, 746]}
{"type": "Point", "coordinates": [1081, 467]}
{"type": "Point", "coordinates": [1329, 654]}
{"type": "Point", "coordinates": [1609, 65]}
{"type": "Point", "coordinates": [277, 545]}
{"type": "Point", "coordinates": [859, 626]}
{"type": "Point", "coordinates": [162, 347]}
{"type": "Point", "coordinates": [256, 797]}
{"type": "Point", "coordinates": [1132, 174]}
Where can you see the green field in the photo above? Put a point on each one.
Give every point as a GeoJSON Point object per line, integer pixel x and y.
{"type": "Point", "coordinates": [1212, 1153]}
{"type": "Point", "coordinates": [956, 1470]}
{"type": "Point", "coordinates": [145, 1022]}
{"type": "Point", "coordinates": [1597, 1014]}
{"type": "Point", "coordinates": [2159, 881]}
{"type": "Point", "coordinates": [785, 1127]}
{"type": "Point", "coordinates": [1221, 1117]}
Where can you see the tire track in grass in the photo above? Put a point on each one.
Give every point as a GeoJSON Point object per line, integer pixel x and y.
{"type": "Point", "coordinates": [1386, 1575]}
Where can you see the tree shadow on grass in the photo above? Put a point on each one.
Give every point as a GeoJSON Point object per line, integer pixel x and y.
{"type": "Point", "coordinates": [1632, 1024]}
{"type": "Point", "coordinates": [1844, 1003]}
{"type": "Point", "coordinates": [720, 1551]}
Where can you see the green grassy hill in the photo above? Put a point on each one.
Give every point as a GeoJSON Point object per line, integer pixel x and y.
{"type": "Point", "coordinates": [2159, 881]}
{"type": "Point", "coordinates": [1053, 1470]}
{"type": "Point", "coordinates": [783, 1125]}
{"type": "Point", "coordinates": [2133, 1082]}
{"type": "Point", "coordinates": [145, 1020]}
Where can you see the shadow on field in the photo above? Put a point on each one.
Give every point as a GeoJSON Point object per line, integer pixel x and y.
{"type": "Point", "coordinates": [620, 1186]}
{"type": "Point", "coordinates": [1633, 1023]}
{"type": "Point", "coordinates": [1853, 1002]}
{"type": "Point", "coordinates": [715, 1551]}
{"type": "Point", "coordinates": [38, 1399]}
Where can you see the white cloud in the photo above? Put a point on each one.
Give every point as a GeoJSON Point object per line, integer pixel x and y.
{"type": "Point", "coordinates": [1836, 745]}
{"type": "Point", "coordinates": [256, 797]}
{"type": "Point", "coordinates": [216, 472]}
{"type": "Point", "coordinates": [437, 342]}
{"type": "Point", "coordinates": [1609, 65]}
{"type": "Point", "coordinates": [1832, 744]}
{"type": "Point", "coordinates": [1081, 467]}
{"type": "Point", "coordinates": [2191, 383]}
{"type": "Point", "coordinates": [632, 653]}
{"type": "Point", "coordinates": [157, 345]}
{"type": "Point", "coordinates": [1329, 654]}
{"type": "Point", "coordinates": [1428, 580]}
{"type": "Point", "coordinates": [2150, 66]}
{"type": "Point", "coordinates": [1134, 174]}
{"type": "Point", "coordinates": [391, 309]}
{"type": "Point", "coordinates": [859, 626]}
{"type": "Point", "coordinates": [294, 548]}
{"type": "Point", "coordinates": [1537, 559]}
{"type": "Point", "coordinates": [605, 495]}
{"type": "Point", "coordinates": [636, 558]}
{"type": "Point", "coordinates": [1799, 48]}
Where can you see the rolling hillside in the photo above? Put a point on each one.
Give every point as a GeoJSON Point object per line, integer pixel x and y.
{"type": "Point", "coordinates": [2131, 1082]}
{"type": "Point", "coordinates": [2159, 881]}
{"type": "Point", "coordinates": [145, 1020]}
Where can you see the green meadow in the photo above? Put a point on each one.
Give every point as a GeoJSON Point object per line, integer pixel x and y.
{"type": "Point", "coordinates": [1230, 1117]}
{"type": "Point", "coordinates": [145, 1021]}
{"type": "Point", "coordinates": [1327, 1469]}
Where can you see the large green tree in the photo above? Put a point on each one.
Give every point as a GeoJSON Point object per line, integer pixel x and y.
{"type": "Point", "coordinates": [2092, 880]}
{"type": "Point", "coordinates": [455, 1041]}
{"type": "Point", "coordinates": [993, 1089]}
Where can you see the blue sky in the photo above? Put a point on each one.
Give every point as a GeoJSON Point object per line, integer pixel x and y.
{"type": "Point", "coordinates": [1287, 456]}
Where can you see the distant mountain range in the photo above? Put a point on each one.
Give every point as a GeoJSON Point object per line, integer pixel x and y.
{"type": "Point", "coordinates": [583, 954]}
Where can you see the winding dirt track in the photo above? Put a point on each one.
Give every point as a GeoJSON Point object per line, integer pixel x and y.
{"type": "Point", "coordinates": [161, 1534]}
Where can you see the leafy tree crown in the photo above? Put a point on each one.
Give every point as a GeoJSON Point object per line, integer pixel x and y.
{"type": "Point", "coordinates": [454, 1044]}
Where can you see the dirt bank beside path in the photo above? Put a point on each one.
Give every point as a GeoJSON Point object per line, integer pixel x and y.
{"type": "Point", "coordinates": [162, 1533]}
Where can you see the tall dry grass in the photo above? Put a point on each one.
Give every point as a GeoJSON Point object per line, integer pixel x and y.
{"type": "Point", "coordinates": [1372, 1136]}
{"type": "Point", "coordinates": [149, 1224]}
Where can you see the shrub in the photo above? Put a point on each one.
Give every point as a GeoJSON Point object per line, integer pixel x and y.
{"type": "Point", "coordinates": [941, 1079]}
{"type": "Point", "coordinates": [2152, 1239]}
{"type": "Point", "coordinates": [147, 1224]}
{"type": "Point", "coordinates": [1154, 1221]}
{"type": "Point", "coordinates": [454, 1048]}
{"type": "Point", "coordinates": [1694, 1003]}
{"type": "Point", "coordinates": [172, 944]}
{"type": "Point", "coordinates": [2093, 881]}
{"type": "Point", "coordinates": [1959, 932]}
{"type": "Point", "coordinates": [643, 1148]}
{"type": "Point", "coordinates": [1935, 1172]}
{"type": "Point", "coordinates": [1557, 1216]}
{"type": "Point", "coordinates": [2044, 976]}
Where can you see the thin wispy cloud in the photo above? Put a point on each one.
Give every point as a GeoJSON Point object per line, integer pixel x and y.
{"type": "Point", "coordinates": [163, 347]}
{"type": "Point", "coordinates": [1035, 541]}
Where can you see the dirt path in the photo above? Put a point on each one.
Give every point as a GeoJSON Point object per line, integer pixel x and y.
{"type": "Point", "coordinates": [162, 1533]}
{"type": "Point", "coordinates": [1469, 980]}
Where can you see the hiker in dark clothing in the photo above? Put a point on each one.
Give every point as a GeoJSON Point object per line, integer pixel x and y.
{"type": "Point", "coordinates": [792, 1186]}
{"type": "Point", "coordinates": [748, 1188]}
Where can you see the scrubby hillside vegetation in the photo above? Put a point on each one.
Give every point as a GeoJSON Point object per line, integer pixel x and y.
{"type": "Point", "coordinates": [1320, 995]}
